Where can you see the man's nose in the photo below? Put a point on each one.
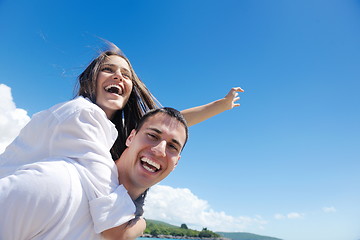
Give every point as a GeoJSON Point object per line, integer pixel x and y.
{"type": "Point", "coordinates": [160, 149]}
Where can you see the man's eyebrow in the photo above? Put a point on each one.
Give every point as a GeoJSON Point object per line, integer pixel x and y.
{"type": "Point", "coordinates": [160, 132]}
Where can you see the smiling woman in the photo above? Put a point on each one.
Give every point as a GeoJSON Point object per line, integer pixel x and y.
{"type": "Point", "coordinates": [114, 85]}
{"type": "Point", "coordinates": [110, 101]}
{"type": "Point", "coordinates": [112, 71]}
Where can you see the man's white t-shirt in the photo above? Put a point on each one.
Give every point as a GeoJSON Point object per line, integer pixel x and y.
{"type": "Point", "coordinates": [48, 200]}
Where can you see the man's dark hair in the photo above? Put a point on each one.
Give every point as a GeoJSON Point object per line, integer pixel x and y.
{"type": "Point", "coordinates": [166, 110]}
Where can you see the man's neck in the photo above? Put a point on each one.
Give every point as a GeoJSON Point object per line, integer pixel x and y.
{"type": "Point", "coordinates": [133, 190]}
{"type": "Point", "coordinates": [134, 194]}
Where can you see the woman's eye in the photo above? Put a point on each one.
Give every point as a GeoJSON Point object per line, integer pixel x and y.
{"type": "Point", "coordinates": [106, 69]}
{"type": "Point", "coordinates": [125, 75]}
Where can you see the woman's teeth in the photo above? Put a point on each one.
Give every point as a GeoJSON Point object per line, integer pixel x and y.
{"type": "Point", "coordinates": [113, 89]}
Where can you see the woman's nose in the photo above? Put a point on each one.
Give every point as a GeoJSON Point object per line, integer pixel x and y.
{"type": "Point", "coordinates": [118, 75]}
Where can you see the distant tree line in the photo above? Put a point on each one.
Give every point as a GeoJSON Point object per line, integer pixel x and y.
{"type": "Point", "coordinates": [155, 228]}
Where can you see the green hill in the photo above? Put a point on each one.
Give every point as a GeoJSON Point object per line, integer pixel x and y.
{"type": "Point", "coordinates": [244, 236]}
{"type": "Point", "coordinates": [164, 230]}
{"type": "Point", "coordinates": [159, 223]}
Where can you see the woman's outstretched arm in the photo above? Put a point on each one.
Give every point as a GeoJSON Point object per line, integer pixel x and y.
{"type": "Point", "coordinates": [198, 114]}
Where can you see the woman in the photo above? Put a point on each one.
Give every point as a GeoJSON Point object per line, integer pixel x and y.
{"type": "Point", "coordinates": [91, 129]}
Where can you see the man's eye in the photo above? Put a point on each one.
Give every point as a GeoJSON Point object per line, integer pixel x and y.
{"type": "Point", "coordinates": [152, 136]}
{"type": "Point", "coordinates": [173, 147]}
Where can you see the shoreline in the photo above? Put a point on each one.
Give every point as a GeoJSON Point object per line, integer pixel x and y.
{"type": "Point", "coordinates": [180, 237]}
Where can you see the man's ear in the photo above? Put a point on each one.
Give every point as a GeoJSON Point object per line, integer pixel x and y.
{"type": "Point", "coordinates": [130, 138]}
{"type": "Point", "coordinates": [177, 162]}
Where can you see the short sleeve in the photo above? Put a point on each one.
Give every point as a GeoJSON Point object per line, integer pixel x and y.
{"type": "Point", "coordinates": [87, 136]}
{"type": "Point", "coordinates": [112, 210]}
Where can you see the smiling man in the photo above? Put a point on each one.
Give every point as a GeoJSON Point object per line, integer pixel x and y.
{"type": "Point", "coordinates": [153, 151]}
{"type": "Point", "coordinates": [50, 199]}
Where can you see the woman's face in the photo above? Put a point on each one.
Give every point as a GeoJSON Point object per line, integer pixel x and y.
{"type": "Point", "coordinates": [113, 85]}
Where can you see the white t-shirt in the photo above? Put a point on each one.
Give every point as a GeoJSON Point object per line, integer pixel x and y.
{"type": "Point", "coordinates": [79, 130]}
{"type": "Point", "coordinates": [48, 200]}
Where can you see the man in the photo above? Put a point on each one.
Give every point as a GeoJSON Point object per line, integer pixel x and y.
{"type": "Point", "coordinates": [48, 200]}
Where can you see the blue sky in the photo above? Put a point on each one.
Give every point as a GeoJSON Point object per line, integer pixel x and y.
{"type": "Point", "coordinates": [287, 160]}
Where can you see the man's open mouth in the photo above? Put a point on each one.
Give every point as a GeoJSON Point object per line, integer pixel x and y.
{"type": "Point", "coordinates": [150, 165]}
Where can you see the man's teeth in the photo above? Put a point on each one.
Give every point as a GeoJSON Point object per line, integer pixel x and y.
{"type": "Point", "coordinates": [149, 169]}
{"type": "Point", "coordinates": [113, 89]}
{"type": "Point", "coordinates": [150, 165]}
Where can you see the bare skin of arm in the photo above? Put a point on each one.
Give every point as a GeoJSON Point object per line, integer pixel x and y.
{"type": "Point", "coordinates": [127, 231]}
{"type": "Point", "coordinates": [198, 114]}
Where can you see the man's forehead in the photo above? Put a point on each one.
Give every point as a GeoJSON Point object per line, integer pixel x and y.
{"type": "Point", "coordinates": [163, 119]}
{"type": "Point", "coordinates": [164, 122]}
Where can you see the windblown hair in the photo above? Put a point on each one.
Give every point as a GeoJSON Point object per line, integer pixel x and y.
{"type": "Point", "coordinates": [140, 100]}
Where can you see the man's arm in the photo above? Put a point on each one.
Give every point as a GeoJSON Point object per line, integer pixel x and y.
{"type": "Point", "coordinates": [201, 113]}
{"type": "Point", "coordinates": [127, 231]}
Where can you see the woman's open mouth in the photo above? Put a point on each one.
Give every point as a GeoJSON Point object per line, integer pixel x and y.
{"type": "Point", "coordinates": [114, 89]}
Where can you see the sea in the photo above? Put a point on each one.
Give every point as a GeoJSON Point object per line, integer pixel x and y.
{"type": "Point", "coordinates": [147, 238]}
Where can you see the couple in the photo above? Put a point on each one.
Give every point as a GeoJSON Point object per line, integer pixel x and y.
{"type": "Point", "coordinates": [77, 145]}
{"type": "Point", "coordinates": [59, 206]}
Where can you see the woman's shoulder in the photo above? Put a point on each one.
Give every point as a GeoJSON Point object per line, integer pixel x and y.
{"type": "Point", "coordinates": [75, 106]}
{"type": "Point", "coordinates": [68, 113]}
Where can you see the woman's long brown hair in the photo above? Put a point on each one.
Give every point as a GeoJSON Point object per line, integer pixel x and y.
{"type": "Point", "coordinates": [140, 100]}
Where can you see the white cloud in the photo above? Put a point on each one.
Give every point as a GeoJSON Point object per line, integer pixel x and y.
{"type": "Point", "coordinates": [279, 216]}
{"type": "Point", "coordinates": [295, 215]}
{"type": "Point", "coordinates": [12, 119]}
{"type": "Point", "coordinates": [329, 209]}
{"type": "Point", "coordinates": [180, 205]}
{"type": "Point", "coordinates": [292, 215]}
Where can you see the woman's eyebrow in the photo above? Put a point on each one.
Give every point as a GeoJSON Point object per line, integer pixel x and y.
{"type": "Point", "coordinates": [127, 71]}
{"type": "Point", "coordinates": [114, 65]}
{"type": "Point", "coordinates": [110, 65]}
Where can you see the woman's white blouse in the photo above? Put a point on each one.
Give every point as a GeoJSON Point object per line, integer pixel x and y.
{"type": "Point", "coordinates": [77, 129]}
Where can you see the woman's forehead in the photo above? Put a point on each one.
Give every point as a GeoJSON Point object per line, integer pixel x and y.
{"type": "Point", "coordinates": [116, 60]}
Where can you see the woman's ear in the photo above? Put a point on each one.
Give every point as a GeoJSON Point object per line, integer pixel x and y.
{"type": "Point", "coordinates": [130, 138]}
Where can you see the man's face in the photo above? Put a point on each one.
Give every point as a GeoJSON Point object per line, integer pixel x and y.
{"type": "Point", "coordinates": [153, 151]}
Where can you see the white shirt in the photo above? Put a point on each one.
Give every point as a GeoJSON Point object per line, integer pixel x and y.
{"type": "Point", "coordinates": [79, 130]}
{"type": "Point", "coordinates": [48, 200]}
